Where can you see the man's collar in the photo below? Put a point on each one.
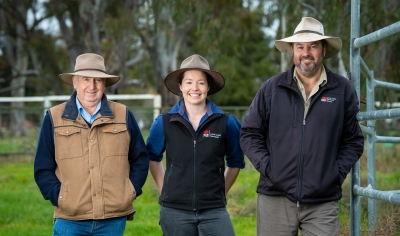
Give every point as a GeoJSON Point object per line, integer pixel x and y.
{"type": "Point", "coordinates": [323, 79]}
{"type": "Point", "coordinates": [79, 106]}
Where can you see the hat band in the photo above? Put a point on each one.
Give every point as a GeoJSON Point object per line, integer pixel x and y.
{"type": "Point", "coordinates": [90, 69]}
{"type": "Point", "coordinates": [308, 31]}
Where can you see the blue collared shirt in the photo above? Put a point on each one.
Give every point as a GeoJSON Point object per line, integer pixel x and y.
{"type": "Point", "coordinates": [233, 154]}
{"type": "Point", "coordinates": [86, 114]}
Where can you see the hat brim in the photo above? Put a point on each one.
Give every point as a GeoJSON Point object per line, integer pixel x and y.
{"type": "Point", "coordinates": [110, 79]}
{"type": "Point", "coordinates": [334, 44]}
{"type": "Point", "coordinates": [171, 81]}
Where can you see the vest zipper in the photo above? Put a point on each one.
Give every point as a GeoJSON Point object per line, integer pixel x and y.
{"type": "Point", "coordinates": [193, 132]}
{"type": "Point", "coordinates": [194, 176]}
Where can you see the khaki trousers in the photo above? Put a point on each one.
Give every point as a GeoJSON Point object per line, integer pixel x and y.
{"type": "Point", "coordinates": [278, 216]}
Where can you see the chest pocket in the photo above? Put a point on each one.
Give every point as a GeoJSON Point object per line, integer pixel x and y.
{"type": "Point", "coordinates": [68, 143]}
{"type": "Point", "coordinates": [115, 140]}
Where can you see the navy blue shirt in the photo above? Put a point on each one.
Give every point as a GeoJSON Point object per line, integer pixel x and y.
{"type": "Point", "coordinates": [234, 154]}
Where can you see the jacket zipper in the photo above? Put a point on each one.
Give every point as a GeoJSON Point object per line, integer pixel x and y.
{"type": "Point", "coordinates": [300, 169]}
{"type": "Point", "coordinates": [299, 181]}
{"type": "Point", "coordinates": [295, 114]}
{"type": "Point", "coordinates": [300, 165]}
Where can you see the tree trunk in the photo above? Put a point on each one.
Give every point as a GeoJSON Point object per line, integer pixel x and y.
{"type": "Point", "coordinates": [164, 54]}
{"type": "Point", "coordinates": [17, 118]}
{"type": "Point", "coordinates": [286, 60]}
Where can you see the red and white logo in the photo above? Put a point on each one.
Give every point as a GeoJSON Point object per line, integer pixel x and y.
{"type": "Point", "coordinates": [207, 133]}
{"type": "Point", "coordinates": [327, 99]}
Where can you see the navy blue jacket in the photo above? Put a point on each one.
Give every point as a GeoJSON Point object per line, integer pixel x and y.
{"type": "Point", "coordinates": [308, 159]}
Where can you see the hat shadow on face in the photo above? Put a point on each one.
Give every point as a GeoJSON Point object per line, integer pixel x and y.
{"type": "Point", "coordinates": [195, 62]}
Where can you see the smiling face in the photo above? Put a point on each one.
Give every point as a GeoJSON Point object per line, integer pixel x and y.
{"type": "Point", "coordinates": [194, 87]}
{"type": "Point", "coordinates": [308, 57]}
{"type": "Point", "coordinates": [88, 90]}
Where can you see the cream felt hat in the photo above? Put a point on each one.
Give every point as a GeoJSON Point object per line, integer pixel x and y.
{"type": "Point", "coordinates": [310, 30]}
{"type": "Point", "coordinates": [90, 65]}
{"type": "Point", "coordinates": [194, 62]}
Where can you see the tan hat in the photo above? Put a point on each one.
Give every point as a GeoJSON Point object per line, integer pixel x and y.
{"type": "Point", "coordinates": [310, 30]}
{"type": "Point", "coordinates": [194, 62]}
{"type": "Point", "coordinates": [90, 65]}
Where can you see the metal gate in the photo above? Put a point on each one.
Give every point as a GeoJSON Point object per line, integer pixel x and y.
{"type": "Point", "coordinates": [357, 65]}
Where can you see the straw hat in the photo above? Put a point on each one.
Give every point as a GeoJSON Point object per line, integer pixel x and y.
{"type": "Point", "coordinates": [194, 62]}
{"type": "Point", "coordinates": [90, 65]}
{"type": "Point", "coordinates": [310, 30]}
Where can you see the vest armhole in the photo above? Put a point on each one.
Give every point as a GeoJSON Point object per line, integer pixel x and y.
{"type": "Point", "coordinates": [165, 112]}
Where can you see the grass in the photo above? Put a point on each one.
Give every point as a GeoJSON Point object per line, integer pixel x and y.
{"type": "Point", "coordinates": [23, 211]}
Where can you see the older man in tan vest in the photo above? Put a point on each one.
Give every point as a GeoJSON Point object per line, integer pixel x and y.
{"type": "Point", "coordinates": [91, 161]}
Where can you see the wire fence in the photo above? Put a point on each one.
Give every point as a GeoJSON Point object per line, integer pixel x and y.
{"type": "Point", "coordinates": [24, 145]}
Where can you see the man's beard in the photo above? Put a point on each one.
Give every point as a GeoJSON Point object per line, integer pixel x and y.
{"type": "Point", "coordinates": [310, 70]}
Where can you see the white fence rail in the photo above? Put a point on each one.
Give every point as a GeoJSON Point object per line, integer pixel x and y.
{"type": "Point", "coordinates": [47, 100]}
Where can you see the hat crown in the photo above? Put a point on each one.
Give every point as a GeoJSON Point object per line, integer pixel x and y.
{"type": "Point", "coordinates": [195, 61]}
{"type": "Point", "coordinates": [309, 25]}
{"type": "Point", "coordinates": [90, 61]}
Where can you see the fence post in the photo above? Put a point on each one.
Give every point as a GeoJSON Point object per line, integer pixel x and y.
{"type": "Point", "coordinates": [371, 158]}
{"type": "Point", "coordinates": [46, 104]}
{"type": "Point", "coordinates": [156, 105]}
{"type": "Point", "coordinates": [355, 205]}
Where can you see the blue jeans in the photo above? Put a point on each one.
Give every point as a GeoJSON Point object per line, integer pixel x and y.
{"type": "Point", "coordinates": [192, 223]}
{"type": "Point", "coordinates": [112, 226]}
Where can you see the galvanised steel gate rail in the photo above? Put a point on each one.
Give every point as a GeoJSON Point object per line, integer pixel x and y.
{"type": "Point", "coordinates": [370, 115]}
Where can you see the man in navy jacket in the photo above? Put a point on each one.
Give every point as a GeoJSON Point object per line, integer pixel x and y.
{"type": "Point", "coordinates": [302, 135]}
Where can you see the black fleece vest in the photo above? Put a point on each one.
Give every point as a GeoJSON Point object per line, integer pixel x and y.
{"type": "Point", "coordinates": [194, 177]}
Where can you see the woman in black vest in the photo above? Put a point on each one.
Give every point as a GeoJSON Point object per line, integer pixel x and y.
{"type": "Point", "coordinates": [203, 155]}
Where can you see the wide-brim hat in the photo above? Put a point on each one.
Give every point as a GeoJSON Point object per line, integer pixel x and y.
{"type": "Point", "coordinates": [194, 62]}
{"type": "Point", "coordinates": [90, 65]}
{"type": "Point", "coordinates": [310, 30]}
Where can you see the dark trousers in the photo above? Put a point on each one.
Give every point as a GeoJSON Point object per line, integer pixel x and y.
{"type": "Point", "coordinates": [192, 223]}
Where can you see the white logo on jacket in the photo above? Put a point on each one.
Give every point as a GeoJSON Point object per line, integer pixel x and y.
{"type": "Point", "coordinates": [207, 134]}
{"type": "Point", "coordinates": [327, 99]}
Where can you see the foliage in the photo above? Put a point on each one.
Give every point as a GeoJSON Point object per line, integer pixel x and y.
{"type": "Point", "coordinates": [142, 41]}
{"type": "Point", "coordinates": [236, 47]}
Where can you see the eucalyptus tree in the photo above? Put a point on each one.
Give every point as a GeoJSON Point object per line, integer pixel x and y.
{"type": "Point", "coordinates": [19, 54]}
{"type": "Point", "coordinates": [163, 27]}
{"type": "Point", "coordinates": [230, 35]}
{"type": "Point", "coordinates": [80, 25]}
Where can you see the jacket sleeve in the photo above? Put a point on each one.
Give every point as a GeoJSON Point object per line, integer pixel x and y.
{"type": "Point", "coordinates": [254, 131]}
{"type": "Point", "coordinates": [45, 164]}
{"type": "Point", "coordinates": [138, 158]}
{"type": "Point", "coordinates": [352, 142]}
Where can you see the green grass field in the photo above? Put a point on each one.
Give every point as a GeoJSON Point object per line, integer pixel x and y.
{"type": "Point", "coordinates": [23, 211]}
